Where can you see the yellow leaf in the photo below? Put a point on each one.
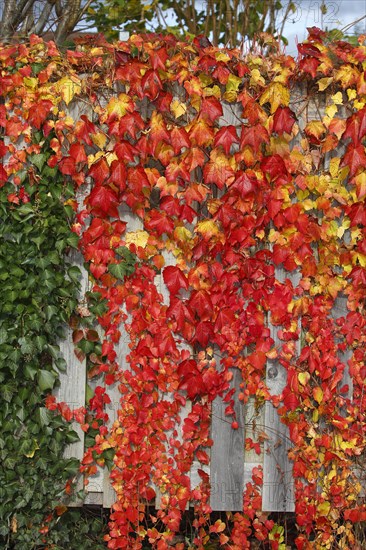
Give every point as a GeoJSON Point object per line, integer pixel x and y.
{"type": "Point", "coordinates": [347, 74]}
{"type": "Point", "coordinates": [182, 234]}
{"type": "Point", "coordinates": [178, 108]}
{"type": "Point", "coordinates": [139, 238]}
{"type": "Point", "coordinates": [323, 508]}
{"type": "Point", "coordinates": [331, 110]}
{"type": "Point", "coordinates": [323, 83]}
{"type": "Point", "coordinates": [232, 87]}
{"type": "Point", "coordinates": [99, 139]}
{"type": "Point", "coordinates": [256, 78]}
{"type": "Point", "coordinates": [334, 166]}
{"type": "Point", "coordinates": [351, 94]}
{"type": "Point", "coordinates": [207, 228]}
{"type": "Point", "coordinates": [276, 94]}
{"type": "Point", "coordinates": [68, 87]}
{"type": "Point", "coordinates": [360, 181]}
{"type": "Point", "coordinates": [318, 394]}
{"type": "Point", "coordinates": [120, 105]}
{"type": "Point", "coordinates": [221, 56]}
{"type": "Point", "coordinates": [110, 157]}
{"type": "Point", "coordinates": [30, 83]}
{"type": "Point", "coordinates": [304, 378]}
{"type": "Point", "coordinates": [337, 98]}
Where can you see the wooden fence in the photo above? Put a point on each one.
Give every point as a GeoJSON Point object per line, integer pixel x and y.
{"type": "Point", "coordinates": [231, 464]}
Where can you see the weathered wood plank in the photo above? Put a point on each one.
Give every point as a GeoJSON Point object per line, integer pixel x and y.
{"type": "Point", "coordinates": [277, 492]}
{"type": "Point", "coordinates": [72, 382]}
{"type": "Point", "coordinates": [227, 453]}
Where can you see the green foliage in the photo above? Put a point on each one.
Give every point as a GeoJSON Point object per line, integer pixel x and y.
{"type": "Point", "coordinates": [39, 293]}
{"type": "Point", "coordinates": [223, 22]}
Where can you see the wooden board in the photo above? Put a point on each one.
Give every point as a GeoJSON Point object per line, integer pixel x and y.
{"type": "Point", "coordinates": [72, 381]}
{"type": "Point", "coordinates": [277, 495]}
{"type": "Point", "coordinates": [227, 453]}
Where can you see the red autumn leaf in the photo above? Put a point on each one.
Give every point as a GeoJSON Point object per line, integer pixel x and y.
{"type": "Point", "coordinates": [151, 84]}
{"type": "Point", "coordinates": [77, 152]}
{"type": "Point", "coordinates": [84, 129]}
{"type": "Point", "coordinates": [179, 139]}
{"type": "Point", "coordinates": [38, 113]}
{"type": "Point", "coordinates": [290, 399]}
{"type": "Point", "coordinates": [125, 151]}
{"type": "Point", "coordinates": [211, 108]}
{"type": "Point", "coordinates": [159, 222]}
{"type": "Point", "coordinates": [158, 130]}
{"type": "Point", "coordinates": [357, 214]}
{"type": "Point", "coordinates": [226, 137]}
{"type": "Point", "coordinates": [201, 133]}
{"type": "Point", "coordinates": [3, 149]}
{"type": "Point", "coordinates": [275, 168]}
{"type": "Point", "coordinates": [202, 457]}
{"type": "Point", "coordinates": [225, 318]}
{"type": "Point", "coordinates": [191, 379]}
{"type": "Point", "coordinates": [174, 279]}
{"type": "Point", "coordinates": [67, 166]}
{"type": "Point", "coordinates": [137, 181]}
{"type": "Point", "coordinates": [171, 205]}
{"type": "Point", "coordinates": [131, 124]}
{"type": "Point", "coordinates": [103, 201]}
{"type": "Point", "coordinates": [354, 158]}
{"type": "Point", "coordinates": [118, 174]}
{"type": "Point", "coordinates": [356, 126]}
{"type": "Point", "coordinates": [306, 48]}
{"type": "Point", "coordinates": [283, 120]}
{"type": "Point", "coordinates": [309, 65]}
{"type": "Point", "coordinates": [253, 136]}
{"type": "Point", "coordinates": [158, 58]}
{"type": "Point", "coordinates": [218, 170]}
{"type": "Point", "coordinates": [244, 184]}
{"type": "Point", "coordinates": [201, 304]}
{"type": "Point", "coordinates": [193, 158]}
{"type": "Point", "coordinates": [99, 171]}
{"type": "Point", "coordinates": [203, 333]}
{"type": "Point", "coordinates": [3, 174]}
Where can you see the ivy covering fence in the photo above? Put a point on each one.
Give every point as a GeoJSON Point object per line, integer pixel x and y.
{"type": "Point", "coordinates": [247, 174]}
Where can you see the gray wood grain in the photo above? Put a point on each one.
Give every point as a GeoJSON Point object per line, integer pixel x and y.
{"type": "Point", "coordinates": [227, 454]}
{"type": "Point", "coordinates": [277, 492]}
{"type": "Point", "coordinates": [72, 382]}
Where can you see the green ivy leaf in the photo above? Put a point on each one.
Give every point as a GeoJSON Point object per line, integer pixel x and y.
{"type": "Point", "coordinates": [46, 380]}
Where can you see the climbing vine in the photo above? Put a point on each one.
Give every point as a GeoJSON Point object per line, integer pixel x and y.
{"type": "Point", "coordinates": [237, 168]}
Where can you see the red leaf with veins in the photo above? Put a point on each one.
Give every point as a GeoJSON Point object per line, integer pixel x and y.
{"type": "Point", "coordinates": [103, 201]}
{"type": "Point", "coordinates": [174, 279]}
{"type": "Point", "coordinates": [203, 333]}
{"type": "Point", "coordinates": [253, 136]}
{"type": "Point", "coordinates": [125, 151]}
{"type": "Point", "coordinates": [211, 108]}
{"type": "Point", "coordinates": [99, 171]}
{"type": "Point", "coordinates": [84, 128]}
{"type": "Point", "coordinates": [130, 123]}
{"type": "Point", "coordinates": [151, 84]}
{"type": "Point", "coordinates": [245, 184]}
{"type": "Point", "coordinates": [226, 137]}
{"type": "Point", "coordinates": [354, 158]}
{"type": "Point", "coordinates": [118, 174]}
{"type": "Point", "coordinates": [179, 139]}
{"type": "Point", "coordinates": [356, 126]}
{"type": "Point", "coordinates": [201, 304]}
{"type": "Point", "coordinates": [283, 120]}
{"type": "Point", "coordinates": [77, 152]}
{"type": "Point", "coordinates": [159, 222]}
{"type": "Point", "coordinates": [38, 113]}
